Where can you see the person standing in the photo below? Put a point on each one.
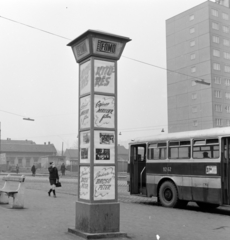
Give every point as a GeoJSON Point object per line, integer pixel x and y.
{"type": "Point", "coordinates": [53, 178]}
{"type": "Point", "coordinates": [33, 170]}
{"type": "Point", "coordinates": [17, 169]}
{"type": "Point", "coordinates": [63, 169]}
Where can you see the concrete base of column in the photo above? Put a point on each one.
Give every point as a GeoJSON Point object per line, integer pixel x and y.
{"type": "Point", "coordinates": [97, 220]}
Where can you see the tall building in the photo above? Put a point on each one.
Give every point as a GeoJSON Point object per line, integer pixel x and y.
{"type": "Point", "coordinates": [198, 49]}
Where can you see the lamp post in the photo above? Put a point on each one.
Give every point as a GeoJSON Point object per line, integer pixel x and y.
{"type": "Point", "coordinates": [97, 211]}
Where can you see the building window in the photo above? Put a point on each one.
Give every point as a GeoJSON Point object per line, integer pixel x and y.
{"type": "Point", "coordinates": [192, 43]}
{"type": "Point", "coordinates": [215, 26]}
{"type": "Point", "coordinates": [191, 17]}
{"type": "Point", "coordinates": [217, 80]}
{"type": "Point", "coordinates": [225, 16]}
{"type": "Point", "coordinates": [192, 30]}
{"type": "Point", "coordinates": [227, 82]}
{"type": "Point", "coordinates": [193, 56]}
{"type": "Point", "coordinates": [215, 12]}
{"type": "Point", "coordinates": [225, 29]}
{"type": "Point", "coordinates": [227, 69]}
{"type": "Point", "coordinates": [227, 109]}
{"type": "Point", "coordinates": [226, 42]}
{"type": "Point", "coordinates": [193, 83]}
{"type": "Point", "coordinates": [216, 53]}
{"type": "Point", "coordinates": [194, 96]}
{"type": "Point", "coordinates": [195, 123]}
{"type": "Point", "coordinates": [227, 95]}
{"type": "Point", "coordinates": [215, 39]}
{"type": "Point", "coordinates": [218, 107]}
{"type": "Point", "coordinates": [218, 122]}
{"type": "Point", "coordinates": [194, 109]}
{"type": "Point", "coordinates": [228, 122]}
{"type": "Point", "coordinates": [217, 93]}
{"type": "Point", "coordinates": [226, 55]}
{"type": "Point", "coordinates": [193, 69]}
{"type": "Point", "coordinates": [216, 66]}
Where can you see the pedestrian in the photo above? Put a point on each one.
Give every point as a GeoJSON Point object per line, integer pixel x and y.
{"type": "Point", "coordinates": [33, 170]}
{"type": "Point", "coordinates": [63, 168]}
{"type": "Point", "coordinates": [17, 169]}
{"type": "Point", "coordinates": [53, 178]}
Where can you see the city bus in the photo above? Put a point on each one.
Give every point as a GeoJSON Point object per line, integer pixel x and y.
{"type": "Point", "coordinates": [178, 168]}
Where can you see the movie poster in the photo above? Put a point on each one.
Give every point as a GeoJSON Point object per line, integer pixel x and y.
{"type": "Point", "coordinates": [85, 112]}
{"type": "Point", "coordinates": [85, 77]}
{"type": "Point", "coordinates": [104, 111]}
{"type": "Point", "coordinates": [104, 146]}
{"type": "Point", "coordinates": [104, 183]}
{"type": "Point", "coordinates": [85, 147]}
{"type": "Point", "coordinates": [104, 76]}
{"type": "Point", "coordinates": [84, 182]}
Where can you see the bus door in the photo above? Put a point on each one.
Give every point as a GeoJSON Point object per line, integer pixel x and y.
{"type": "Point", "coordinates": [225, 170]}
{"type": "Point", "coordinates": [137, 169]}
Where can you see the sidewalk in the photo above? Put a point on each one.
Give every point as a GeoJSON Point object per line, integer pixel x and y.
{"type": "Point", "coordinates": [49, 218]}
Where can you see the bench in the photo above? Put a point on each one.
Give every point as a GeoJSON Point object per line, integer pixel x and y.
{"type": "Point", "coordinates": [13, 187]}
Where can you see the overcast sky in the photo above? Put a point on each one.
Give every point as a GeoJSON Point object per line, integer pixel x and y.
{"type": "Point", "coordinates": [39, 75]}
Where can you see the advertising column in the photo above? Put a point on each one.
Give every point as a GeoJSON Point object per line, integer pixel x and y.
{"type": "Point", "coordinates": [97, 211]}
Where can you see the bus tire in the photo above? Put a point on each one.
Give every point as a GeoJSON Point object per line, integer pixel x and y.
{"type": "Point", "coordinates": [168, 195]}
{"type": "Point", "coordinates": [207, 206]}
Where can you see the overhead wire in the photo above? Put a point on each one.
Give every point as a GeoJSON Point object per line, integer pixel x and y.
{"type": "Point", "coordinates": [133, 59]}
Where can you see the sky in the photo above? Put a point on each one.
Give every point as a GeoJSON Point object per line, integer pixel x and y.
{"type": "Point", "coordinates": [39, 74]}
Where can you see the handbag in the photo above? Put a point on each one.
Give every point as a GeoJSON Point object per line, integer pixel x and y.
{"type": "Point", "coordinates": [58, 184]}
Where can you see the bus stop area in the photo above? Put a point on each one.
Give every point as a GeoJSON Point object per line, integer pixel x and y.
{"type": "Point", "coordinates": [49, 218]}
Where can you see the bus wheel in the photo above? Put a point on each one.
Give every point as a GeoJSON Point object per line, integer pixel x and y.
{"type": "Point", "coordinates": [168, 194]}
{"type": "Point", "coordinates": [207, 206]}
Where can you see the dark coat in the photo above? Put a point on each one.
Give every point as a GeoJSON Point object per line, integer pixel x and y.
{"type": "Point", "coordinates": [53, 173]}
{"type": "Point", "coordinates": [33, 169]}
{"type": "Point", "coordinates": [63, 168]}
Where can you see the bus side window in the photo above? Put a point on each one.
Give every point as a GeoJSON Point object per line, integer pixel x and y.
{"type": "Point", "coordinates": [206, 148]}
{"type": "Point", "coordinates": [157, 151]}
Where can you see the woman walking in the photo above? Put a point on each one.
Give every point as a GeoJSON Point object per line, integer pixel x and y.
{"type": "Point", "coordinates": [53, 177]}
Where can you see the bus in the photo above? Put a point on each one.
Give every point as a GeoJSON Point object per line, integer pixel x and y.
{"type": "Point", "coordinates": [178, 168]}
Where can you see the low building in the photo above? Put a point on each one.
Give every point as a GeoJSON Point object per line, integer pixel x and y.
{"type": "Point", "coordinates": [71, 159]}
{"type": "Point", "coordinates": [25, 153]}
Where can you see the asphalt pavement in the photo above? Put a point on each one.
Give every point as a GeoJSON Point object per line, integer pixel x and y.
{"type": "Point", "coordinates": [47, 217]}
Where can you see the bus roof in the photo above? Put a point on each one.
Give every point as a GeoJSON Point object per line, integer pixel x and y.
{"type": "Point", "coordinates": [206, 133]}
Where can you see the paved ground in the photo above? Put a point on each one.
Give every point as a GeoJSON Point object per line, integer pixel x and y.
{"type": "Point", "coordinates": [49, 218]}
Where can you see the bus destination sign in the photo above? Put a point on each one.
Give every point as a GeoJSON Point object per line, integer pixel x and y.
{"type": "Point", "coordinates": [106, 47]}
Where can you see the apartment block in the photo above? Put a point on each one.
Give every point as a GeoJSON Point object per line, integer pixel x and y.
{"type": "Point", "coordinates": [198, 52]}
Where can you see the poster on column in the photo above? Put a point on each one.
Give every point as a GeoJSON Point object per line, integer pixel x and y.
{"type": "Point", "coordinates": [104, 183]}
{"type": "Point", "coordinates": [85, 77]}
{"type": "Point", "coordinates": [85, 112]}
{"type": "Point", "coordinates": [104, 107]}
{"type": "Point", "coordinates": [104, 147]}
{"type": "Point", "coordinates": [84, 182]}
{"type": "Point", "coordinates": [85, 147]}
{"type": "Point", "coordinates": [104, 76]}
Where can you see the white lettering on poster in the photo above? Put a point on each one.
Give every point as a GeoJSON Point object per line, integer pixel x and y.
{"type": "Point", "coordinates": [84, 182]}
{"type": "Point", "coordinates": [104, 183]}
{"type": "Point", "coordinates": [104, 111]}
{"type": "Point", "coordinates": [85, 70]}
{"type": "Point", "coordinates": [211, 169]}
{"type": "Point", "coordinates": [85, 112]}
{"type": "Point", "coordinates": [104, 76]}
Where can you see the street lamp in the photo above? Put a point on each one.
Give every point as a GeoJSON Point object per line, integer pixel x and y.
{"type": "Point", "coordinates": [202, 82]}
{"type": "Point", "coordinates": [28, 119]}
